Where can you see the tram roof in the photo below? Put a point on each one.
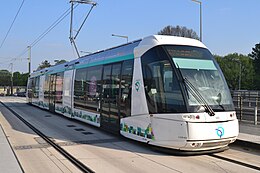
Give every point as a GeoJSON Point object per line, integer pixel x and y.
{"type": "Point", "coordinates": [156, 40]}
{"type": "Point", "coordinates": [125, 51]}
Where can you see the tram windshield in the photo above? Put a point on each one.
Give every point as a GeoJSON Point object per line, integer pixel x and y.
{"type": "Point", "coordinates": [198, 67]}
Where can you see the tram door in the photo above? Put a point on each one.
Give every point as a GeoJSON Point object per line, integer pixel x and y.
{"type": "Point", "coordinates": [29, 90]}
{"type": "Point", "coordinates": [111, 97]}
{"type": "Point", "coordinates": [52, 92]}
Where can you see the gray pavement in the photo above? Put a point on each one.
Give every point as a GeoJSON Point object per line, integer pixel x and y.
{"type": "Point", "coordinates": [8, 160]}
{"type": "Point", "coordinates": [249, 135]}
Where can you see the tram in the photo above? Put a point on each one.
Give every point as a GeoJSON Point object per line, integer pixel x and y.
{"type": "Point", "coordinates": [165, 91]}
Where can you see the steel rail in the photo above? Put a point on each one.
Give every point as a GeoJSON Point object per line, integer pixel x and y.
{"type": "Point", "coordinates": [235, 162]}
{"type": "Point", "coordinates": [67, 155]}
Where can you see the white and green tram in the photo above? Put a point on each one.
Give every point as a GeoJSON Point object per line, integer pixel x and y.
{"type": "Point", "coordinates": [162, 90]}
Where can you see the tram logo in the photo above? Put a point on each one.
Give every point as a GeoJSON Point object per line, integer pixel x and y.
{"type": "Point", "coordinates": [137, 85]}
{"type": "Point", "coordinates": [220, 131]}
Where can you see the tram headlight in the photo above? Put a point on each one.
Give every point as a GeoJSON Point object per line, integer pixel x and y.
{"type": "Point", "coordinates": [195, 145]}
{"type": "Point", "coordinates": [232, 115]}
{"type": "Point", "coordinates": [186, 117]}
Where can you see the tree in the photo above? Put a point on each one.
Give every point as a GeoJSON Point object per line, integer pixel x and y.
{"type": "Point", "coordinates": [5, 78]}
{"type": "Point", "coordinates": [180, 31]}
{"type": "Point", "coordinates": [24, 79]}
{"type": "Point", "coordinates": [230, 65]}
{"type": "Point", "coordinates": [16, 78]}
{"type": "Point", "coordinates": [255, 55]}
{"type": "Point", "coordinates": [20, 79]}
{"type": "Point", "coordinates": [57, 62]}
{"type": "Point", "coordinates": [44, 64]}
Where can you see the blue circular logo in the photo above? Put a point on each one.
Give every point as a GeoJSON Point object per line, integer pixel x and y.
{"type": "Point", "coordinates": [220, 131]}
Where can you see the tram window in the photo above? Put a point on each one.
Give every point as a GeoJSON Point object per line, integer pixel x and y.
{"type": "Point", "coordinates": [198, 66]}
{"type": "Point", "coordinates": [80, 85]}
{"type": "Point", "coordinates": [161, 85]}
{"type": "Point", "coordinates": [30, 85]}
{"type": "Point", "coordinates": [87, 88]}
{"type": "Point", "coordinates": [59, 87]}
{"type": "Point", "coordinates": [126, 85]}
{"type": "Point", "coordinates": [93, 88]}
{"type": "Point", "coordinates": [115, 90]}
{"type": "Point", "coordinates": [46, 89]}
{"type": "Point", "coordinates": [35, 87]}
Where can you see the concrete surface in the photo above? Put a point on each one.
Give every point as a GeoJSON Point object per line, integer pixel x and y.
{"type": "Point", "coordinates": [101, 151]}
{"type": "Point", "coordinates": [249, 135]}
{"type": "Point", "coordinates": [8, 161]}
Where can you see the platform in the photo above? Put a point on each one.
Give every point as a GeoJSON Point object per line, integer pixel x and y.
{"type": "Point", "coordinates": [249, 135]}
{"type": "Point", "coordinates": [8, 160]}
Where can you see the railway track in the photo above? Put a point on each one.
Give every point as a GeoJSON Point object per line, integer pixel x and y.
{"type": "Point", "coordinates": [67, 155]}
{"type": "Point", "coordinates": [235, 161]}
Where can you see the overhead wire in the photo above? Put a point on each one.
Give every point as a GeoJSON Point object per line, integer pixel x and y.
{"type": "Point", "coordinates": [49, 29]}
{"type": "Point", "coordinates": [5, 57]}
{"type": "Point", "coordinates": [11, 60]}
{"type": "Point", "coordinates": [12, 24]}
{"type": "Point", "coordinates": [7, 61]}
{"type": "Point", "coordinates": [60, 19]}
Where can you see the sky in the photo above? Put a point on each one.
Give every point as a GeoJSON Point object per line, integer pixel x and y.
{"type": "Point", "coordinates": [228, 26]}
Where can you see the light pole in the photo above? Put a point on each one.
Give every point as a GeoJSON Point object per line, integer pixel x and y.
{"type": "Point", "coordinates": [29, 58]}
{"type": "Point", "coordinates": [12, 82]}
{"type": "Point", "coordinates": [200, 3]}
{"type": "Point", "coordinates": [240, 73]}
{"type": "Point", "coordinates": [122, 36]}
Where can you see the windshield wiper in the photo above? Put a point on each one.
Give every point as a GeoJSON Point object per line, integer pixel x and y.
{"type": "Point", "coordinates": [185, 86]}
{"type": "Point", "coordinates": [222, 107]}
{"type": "Point", "coordinates": [196, 94]}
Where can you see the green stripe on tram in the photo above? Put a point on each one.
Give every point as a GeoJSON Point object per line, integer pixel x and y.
{"type": "Point", "coordinates": [56, 71]}
{"type": "Point", "coordinates": [106, 61]}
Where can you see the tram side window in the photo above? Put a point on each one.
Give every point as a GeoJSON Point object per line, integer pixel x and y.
{"type": "Point", "coordinates": [46, 89]}
{"type": "Point", "coordinates": [115, 89]}
{"type": "Point", "coordinates": [161, 85]}
{"type": "Point", "coordinates": [80, 85]}
{"type": "Point", "coordinates": [126, 88]}
{"type": "Point", "coordinates": [35, 87]}
{"type": "Point", "coordinates": [29, 90]}
{"type": "Point", "coordinates": [93, 88]}
{"type": "Point", "coordinates": [59, 87]}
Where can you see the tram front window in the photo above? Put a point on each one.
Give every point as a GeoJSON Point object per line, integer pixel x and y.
{"type": "Point", "coordinates": [162, 88]}
{"type": "Point", "coordinates": [198, 67]}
